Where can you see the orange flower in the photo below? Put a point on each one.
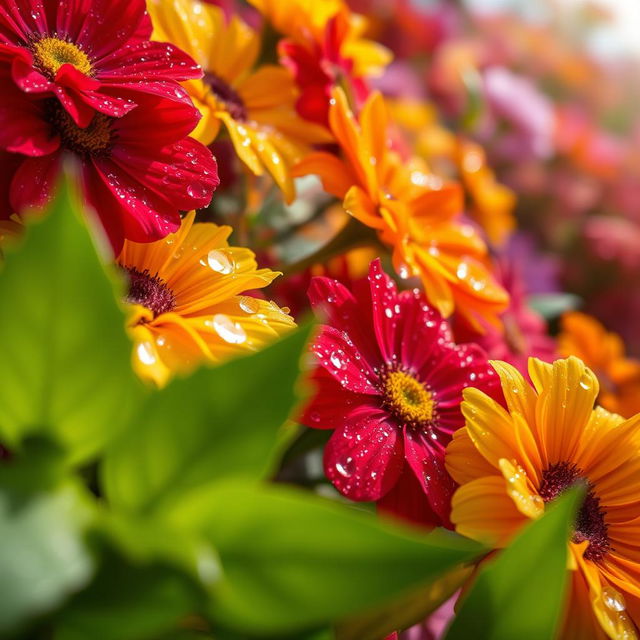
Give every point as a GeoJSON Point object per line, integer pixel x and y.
{"type": "Point", "coordinates": [492, 202]}
{"type": "Point", "coordinates": [511, 463]}
{"type": "Point", "coordinates": [412, 211]}
{"type": "Point", "coordinates": [256, 106]}
{"type": "Point", "coordinates": [619, 376]}
{"type": "Point", "coordinates": [186, 302]}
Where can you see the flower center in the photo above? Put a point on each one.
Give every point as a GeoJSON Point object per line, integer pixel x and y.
{"type": "Point", "coordinates": [94, 140]}
{"type": "Point", "coordinates": [49, 54]}
{"type": "Point", "coordinates": [149, 291]}
{"type": "Point", "coordinates": [233, 103]}
{"type": "Point", "coordinates": [590, 524]}
{"type": "Point", "coordinates": [406, 398]}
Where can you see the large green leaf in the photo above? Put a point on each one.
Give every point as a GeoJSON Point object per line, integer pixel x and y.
{"type": "Point", "coordinates": [43, 557]}
{"type": "Point", "coordinates": [219, 422]}
{"type": "Point", "coordinates": [521, 593]}
{"type": "Point", "coordinates": [150, 576]}
{"type": "Point", "coordinates": [64, 356]}
{"type": "Point", "coordinates": [292, 561]}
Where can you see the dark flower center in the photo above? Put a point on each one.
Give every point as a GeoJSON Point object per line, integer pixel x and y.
{"type": "Point", "coordinates": [406, 398]}
{"type": "Point", "coordinates": [233, 103]}
{"type": "Point", "coordinates": [94, 140]}
{"type": "Point", "coordinates": [49, 54]}
{"type": "Point", "coordinates": [590, 524]}
{"type": "Point", "coordinates": [149, 291]}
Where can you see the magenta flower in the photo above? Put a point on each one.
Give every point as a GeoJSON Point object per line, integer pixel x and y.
{"type": "Point", "coordinates": [389, 382]}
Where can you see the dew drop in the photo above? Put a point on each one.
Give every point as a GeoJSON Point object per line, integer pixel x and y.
{"type": "Point", "coordinates": [146, 353]}
{"type": "Point", "coordinates": [227, 329]}
{"type": "Point", "coordinates": [613, 599]}
{"type": "Point", "coordinates": [249, 304]}
{"type": "Point", "coordinates": [219, 262]}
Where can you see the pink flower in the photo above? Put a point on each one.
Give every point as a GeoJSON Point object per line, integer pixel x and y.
{"type": "Point", "coordinates": [389, 382]}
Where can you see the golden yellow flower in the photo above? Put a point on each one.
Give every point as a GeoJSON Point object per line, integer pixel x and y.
{"type": "Point", "coordinates": [511, 463]}
{"type": "Point", "coordinates": [187, 305]}
{"type": "Point", "coordinates": [256, 106]}
{"type": "Point", "coordinates": [583, 336]}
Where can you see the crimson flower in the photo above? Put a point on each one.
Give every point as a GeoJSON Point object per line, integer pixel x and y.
{"type": "Point", "coordinates": [389, 382]}
{"type": "Point", "coordinates": [138, 171]}
{"type": "Point", "coordinates": [93, 55]}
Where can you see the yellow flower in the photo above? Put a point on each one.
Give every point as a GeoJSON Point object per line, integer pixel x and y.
{"type": "Point", "coordinates": [186, 302]}
{"type": "Point", "coordinates": [511, 463]}
{"type": "Point", "coordinates": [584, 337]}
{"type": "Point", "coordinates": [256, 106]}
{"type": "Point", "coordinates": [413, 212]}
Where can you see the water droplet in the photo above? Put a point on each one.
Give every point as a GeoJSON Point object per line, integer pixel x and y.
{"type": "Point", "coordinates": [345, 468]}
{"type": "Point", "coordinates": [585, 381]}
{"type": "Point", "coordinates": [196, 190]}
{"type": "Point", "coordinates": [227, 329]}
{"type": "Point", "coordinates": [335, 359]}
{"type": "Point", "coordinates": [146, 353]}
{"type": "Point", "coordinates": [249, 304]}
{"type": "Point", "coordinates": [220, 262]}
{"type": "Point", "coordinates": [613, 599]}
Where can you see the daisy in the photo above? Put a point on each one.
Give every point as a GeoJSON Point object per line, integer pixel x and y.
{"type": "Point", "coordinates": [512, 463]}
{"type": "Point", "coordinates": [255, 105]}
{"type": "Point", "coordinates": [188, 303]}
{"type": "Point", "coordinates": [389, 383]}
{"type": "Point", "coordinates": [583, 336]}
{"type": "Point", "coordinates": [138, 171]}
{"type": "Point", "coordinates": [92, 56]}
{"type": "Point", "coordinates": [414, 213]}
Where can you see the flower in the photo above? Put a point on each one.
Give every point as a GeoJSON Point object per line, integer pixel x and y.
{"type": "Point", "coordinates": [411, 211]}
{"type": "Point", "coordinates": [583, 336]}
{"type": "Point", "coordinates": [256, 106]}
{"type": "Point", "coordinates": [92, 56]}
{"type": "Point", "coordinates": [524, 332]}
{"type": "Point", "coordinates": [324, 49]}
{"type": "Point", "coordinates": [187, 306]}
{"type": "Point", "coordinates": [511, 463]}
{"type": "Point", "coordinates": [138, 171]}
{"type": "Point", "coordinates": [389, 382]}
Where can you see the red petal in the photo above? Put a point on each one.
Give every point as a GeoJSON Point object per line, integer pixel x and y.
{"type": "Point", "coordinates": [428, 466]}
{"type": "Point", "coordinates": [343, 361]}
{"type": "Point", "coordinates": [408, 502]}
{"type": "Point", "coordinates": [330, 403]}
{"type": "Point", "coordinates": [146, 61]}
{"type": "Point", "coordinates": [33, 182]}
{"type": "Point", "coordinates": [334, 304]}
{"type": "Point", "coordinates": [386, 310]}
{"type": "Point", "coordinates": [143, 215]}
{"type": "Point", "coordinates": [184, 174]}
{"type": "Point", "coordinates": [363, 460]}
{"type": "Point", "coordinates": [23, 128]}
{"type": "Point", "coordinates": [9, 163]}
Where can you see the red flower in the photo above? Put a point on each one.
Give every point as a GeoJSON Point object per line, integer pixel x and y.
{"type": "Point", "coordinates": [93, 55]}
{"type": "Point", "coordinates": [390, 383]}
{"type": "Point", "coordinates": [138, 171]}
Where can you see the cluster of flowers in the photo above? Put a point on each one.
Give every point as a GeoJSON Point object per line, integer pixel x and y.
{"type": "Point", "coordinates": [449, 400]}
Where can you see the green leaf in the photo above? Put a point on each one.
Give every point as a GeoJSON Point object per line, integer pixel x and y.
{"type": "Point", "coordinates": [43, 557]}
{"type": "Point", "coordinates": [65, 356]}
{"type": "Point", "coordinates": [292, 561]}
{"type": "Point", "coordinates": [403, 612]}
{"type": "Point", "coordinates": [219, 422]}
{"type": "Point", "coordinates": [149, 578]}
{"type": "Point", "coordinates": [521, 593]}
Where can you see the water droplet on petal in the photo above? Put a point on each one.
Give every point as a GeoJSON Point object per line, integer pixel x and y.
{"type": "Point", "coordinates": [146, 353]}
{"type": "Point", "coordinates": [249, 304]}
{"type": "Point", "coordinates": [227, 329]}
{"type": "Point", "coordinates": [220, 262]}
{"type": "Point", "coordinates": [613, 599]}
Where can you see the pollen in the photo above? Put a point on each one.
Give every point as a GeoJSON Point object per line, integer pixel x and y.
{"type": "Point", "coordinates": [150, 291]}
{"type": "Point", "coordinates": [94, 140]}
{"type": "Point", "coordinates": [50, 54]}
{"type": "Point", "coordinates": [230, 99]}
{"type": "Point", "coordinates": [407, 398]}
{"type": "Point", "coordinates": [590, 523]}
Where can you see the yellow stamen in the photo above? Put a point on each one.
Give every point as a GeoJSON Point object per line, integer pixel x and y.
{"type": "Point", "coordinates": [93, 140]}
{"type": "Point", "coordinates": [407, 398]}
{"type": "Point", "coordinates": [51, 53]}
